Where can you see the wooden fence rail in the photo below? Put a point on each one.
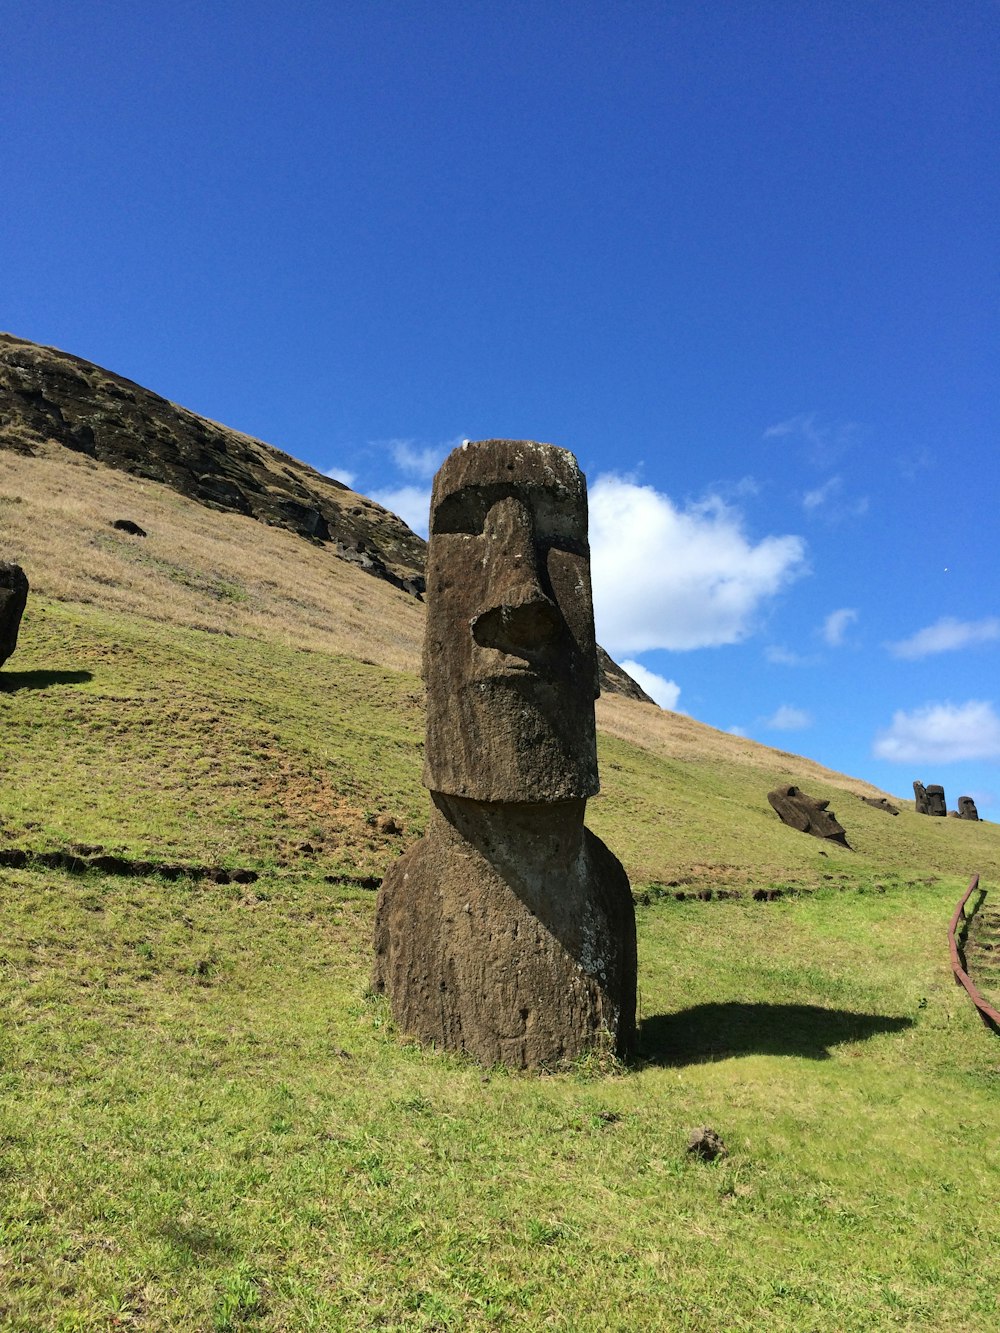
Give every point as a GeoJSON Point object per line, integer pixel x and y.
{"type": "Point", "coordinates": [988, 1014]}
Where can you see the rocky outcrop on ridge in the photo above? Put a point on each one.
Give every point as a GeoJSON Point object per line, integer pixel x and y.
{"type": "Point", "coordinates": [51, 396]}
{"type": "Point", "coordinates": [48, 395]}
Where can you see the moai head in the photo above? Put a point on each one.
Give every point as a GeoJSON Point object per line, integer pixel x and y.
{"type": "Point", "coordinates": [808, 814]}
{"type": "Point", "coordinates": [920, 799]}
{"type": "Point", "coordinates": [967, 808]}
{"type": "Point", "coordinates": [936, 804]}
{"type": "Point", "coordinates": [510, 657]}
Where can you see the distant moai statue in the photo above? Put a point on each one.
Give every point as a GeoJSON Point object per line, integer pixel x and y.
{"type": "Point", "coordinates": [967, 808]}
{"type": "Point", "coordinates": [13, 599]}
{"type": "Point", "coordinates": [807, 814]}
{"type": "Point", "coordinates": [508, 931]}
{"type": "Point", "coordinates": [936, 804]}
{"type": "Point", "coordinates": [920, 801]}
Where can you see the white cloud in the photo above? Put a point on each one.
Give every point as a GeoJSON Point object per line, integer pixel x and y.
{"type": "Point", "coordinates": [411, 503]}
{"type": "Point", "coordinates": [945, 636]}
{"type": "Point", "coordinates": [418, 461]}
{"type": "Point", "coordinates": [781, 656]}
{"type": "Point", "coordinates": [735, 731]}
{"type": "Point", "coordinates": [941, 734]}
{"type": "Point", "coordinates": [824, 441]}
{"type": "Point", "coordinates": [802, 426]}
{"type": "Point", "coordinates": [670, 578]}
{"type": "Point", "coordinates": [813, 499]}
{"type": "Point", "coordinates": [664, 692]}
{"type": "Point", "coordinates": [835, 625]}
{"type": "Point", "coordinates": [342, 475]}
{"type": "Point", "coordinates": [787, 718]}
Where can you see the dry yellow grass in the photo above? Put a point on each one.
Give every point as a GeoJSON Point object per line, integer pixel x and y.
{"type": "Point", "coordinates": [225, 573]}
{"type": "Point", "coordinates": [197, 567]}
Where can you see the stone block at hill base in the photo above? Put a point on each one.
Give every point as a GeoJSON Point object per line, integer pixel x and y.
{"type": "Point", "coordinates": [508, 931]}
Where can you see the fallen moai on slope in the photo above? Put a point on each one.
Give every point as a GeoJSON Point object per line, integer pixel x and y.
{"type": "Point", "coordinates": [807, 814]}
{"type": "Point", "coordinates": [880, 803]}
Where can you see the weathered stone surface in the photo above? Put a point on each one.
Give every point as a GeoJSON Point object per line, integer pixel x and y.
{"type": "Point", "coordinates": [13, 598]}
{"type": "Point", "coordinates": [807, 814]}
{"type": "Point", "coordinates": [508, 931]}
{"type": "Point", "coordinates": [967, 808]}
{"type": "Point", "coordinates": [509, 654]}
{"type": "Point", "coordinates": [936, 804]}
{"type": "Point", "coordinates": [705, 1143]}
{"type": "Point", "coordinates": [880, 803]}
{"type": "Point", "coordinates": [920, 799]}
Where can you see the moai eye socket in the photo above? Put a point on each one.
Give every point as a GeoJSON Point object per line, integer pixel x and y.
{"type": "Point", "coordinates": [465, 510]}
{"type": "Point", "coordinates": [556, 517]}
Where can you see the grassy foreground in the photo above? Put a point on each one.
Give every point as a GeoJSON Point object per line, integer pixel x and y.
{"type": "Point", "coordinates": [207, 1124]}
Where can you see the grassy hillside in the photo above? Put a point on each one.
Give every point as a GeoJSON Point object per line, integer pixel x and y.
{"type": "Point", "coordinates": [206, 1122]}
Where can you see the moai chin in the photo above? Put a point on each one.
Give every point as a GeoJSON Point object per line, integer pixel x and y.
{"type": "Point", "coordinates": [508, 931]}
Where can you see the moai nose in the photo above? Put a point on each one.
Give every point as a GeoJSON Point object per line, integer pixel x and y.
{"type": "Point", "coordinates": [516, 615]}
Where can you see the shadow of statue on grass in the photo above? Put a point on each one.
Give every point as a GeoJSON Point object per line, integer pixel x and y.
{"type": "Point", "coordinates": [708, 1032]}
{"type": "Point", "coordinates": [10, 681]}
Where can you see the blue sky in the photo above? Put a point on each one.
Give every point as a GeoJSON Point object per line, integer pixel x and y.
{"type": "Point", "coordinates": [742, 258]}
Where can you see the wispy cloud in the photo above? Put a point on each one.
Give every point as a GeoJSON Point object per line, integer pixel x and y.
{"type": "Point", "coordinates": [666, 577]}
{"type": "Point", "coordinates": [915, 463]}
{"type": "Point", "coordinates": [778, 655]}
{"type": "Point", "coordinates": [813, 499]}
{"type": "Point", "coordinates": [787, 718]}
{"type": "Point", "coordinates": [802, 426]}
{"type": "Point", "coordinates": [822, 441]}
{"type": "Point", "coordinates": [665, 692]}
{"type": "Point", "coordinates": [946, 635]}
{"type": "Point", "coordinates": [420, 461]}
{"type": "Point", "coordinates": [836, 624]}
{"type": "Point", "coordinates": [941, 734]}
{"type": "Point", "coordinates": [411, 503]}
{"type": "Point", "coordinates": [342, 474]}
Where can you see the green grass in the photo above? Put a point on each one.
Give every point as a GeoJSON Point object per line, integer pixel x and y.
{"type": "Point", "coordinates": [179, 744]}
{"type": "Point", "coordinates": [206, 1123]}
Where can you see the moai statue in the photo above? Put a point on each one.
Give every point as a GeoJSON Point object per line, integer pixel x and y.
{"type": "Point", "coordinates": [508, 931]}
{"type": "Point", "coordinates": [967, 808]}
{"type": "Point", "coordinates": [880, 803]}
{"type": "Point", "coordinates": [936, 804]}
{"type": "Point", "coordinates": [920, 799]}
{"type": "Point", "coordinates": [807, 814]}
{"type": "Point", "coordinates": [13, 598]}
